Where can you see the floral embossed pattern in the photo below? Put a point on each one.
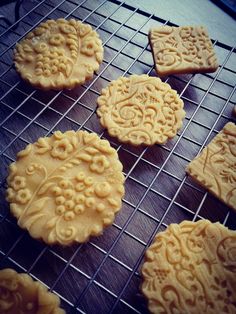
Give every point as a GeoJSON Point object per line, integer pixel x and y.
{"type": "Point", "coordinates": [66, 187]}
{"type": "Point", "coordinates": [184, 49]}
{"type": "Point", "coordinates": [20, 294]}
{"type": "Point", "coordinates": [140, 110]}
{"type": "Point", "coordinates": [59, 54]}
{"type": "Point", "coordinates": [191, 268]}
{"type": "Point", "coordinates": [215, 167]}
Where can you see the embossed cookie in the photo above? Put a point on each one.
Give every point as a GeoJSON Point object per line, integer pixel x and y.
{"type": "Point", "coordinates": [140, 110]}
{"type": "Point", "coordinates": [19, 293]}
{"type": "Point", "coordinates": [185, 49]}
{"type": "Point", "coordinates": [66, 187]}
{"type": "Point", "coordinates": [59, 54]}
{"type": "Point", "coordinates": [190, 268]}
{"type": "Point", "coordinates": [215, 167]}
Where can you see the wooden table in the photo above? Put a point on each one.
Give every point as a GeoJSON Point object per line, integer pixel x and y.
{"type": "Point", "coordinates": [220, 24]}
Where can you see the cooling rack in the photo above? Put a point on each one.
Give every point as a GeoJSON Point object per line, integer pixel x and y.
{"type": "Point", "coordinates": [103, 275]}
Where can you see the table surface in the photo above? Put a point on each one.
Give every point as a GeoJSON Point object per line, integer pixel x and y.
{"type": "Point", "coordinates": [220, 25]}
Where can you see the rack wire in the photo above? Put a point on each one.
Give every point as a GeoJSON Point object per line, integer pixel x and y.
{"type": "Point", "coordinates": [103, 275]}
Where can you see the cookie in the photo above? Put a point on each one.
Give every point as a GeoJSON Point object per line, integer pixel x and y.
{"type": "Point", "coordinates": [19, 293]}
{"type": "Point", "coordinates": [215, 167]}
{"type": "Point", "coordinates": [59, 54]}
{"type": "Point", "coordinates": [140, 110]}
{"type": "Point", "coordinates": [66, 187]}
{"type": "Point", "coordinates": [179, 50]}
{"type": "Point", "coordinates": [190, 268]}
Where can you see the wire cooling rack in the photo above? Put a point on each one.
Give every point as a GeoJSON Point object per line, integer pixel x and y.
{"type": "Point", "coordinates": [103, 275]}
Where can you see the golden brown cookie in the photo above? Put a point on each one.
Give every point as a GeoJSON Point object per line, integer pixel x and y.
{"type": "Point", "coordinates": [66, 187]}
{"type": "Point", "coordinates": [59, 54]}
{"type": "Point", "coordinates": [185, 49]}
{"type": "Point", "coordinates": [190, 268]}
{"type": "Point", "coordinates": [140, 110]}
{"type": "Point", "coordinates": [20, 294]}
{"type": "Point", "coordinates": [215, 167]}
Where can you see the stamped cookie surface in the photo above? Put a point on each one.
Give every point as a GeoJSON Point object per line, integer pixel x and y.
{"type": "Point", "coordinates": [215, 167]}
{"type": "Point", "coordinates": [190, 268]}
{"type": "Point", "coordinates": [185, 49]}
{"type": "Point", "coordinates": [59, 54]}
{"type": "Point", "coordinates": [140, 110]}
{"type": "Point", "coordinates": [66, 187]}
{"type": "Point", "coordinates": [20, 294]}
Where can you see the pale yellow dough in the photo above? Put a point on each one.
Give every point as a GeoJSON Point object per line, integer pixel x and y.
{"type": "Point", "coordinates": [215, 167]}
{"type": "Point", "coordinates": [66, 187]}
{"type": "Point", "coordinates": [19, 293]}
{"type": "Point", "coordinates": [190, 268]}
{"type": "Point", "coordinates": [140, 109]}
{"type": "Point", "coordinates": [59, 54]}
{"type": "Point", "coordinates": [184, 49]}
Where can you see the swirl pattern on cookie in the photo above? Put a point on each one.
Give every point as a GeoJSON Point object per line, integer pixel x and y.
{"type": "Point", "coordinates": [140, 110]}
{"type": "Point", "coordinates": [66, 187]}
{"type": "Point", "coordinates": [185, 49]}
{"type": "Point", "coordinates": [191, 268]}
{"type": "Point", "coordinates": [59, 54]}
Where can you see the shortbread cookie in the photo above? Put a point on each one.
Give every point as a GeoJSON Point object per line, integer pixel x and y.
{"type": "Point", "coordinates": [59, 54]}
{"type": "Point", "coordinates": [185, 49]}
{"type": "Point", "coordinates": [66, 187]}
{"type": "Point", "coordinates": [140, 110]}
{"type": "Point", "coordinates": [190, 269]}
{"type": "Point", "coordinates": [215, 167]}
{"type": "Point", "coordinates": [19, 293]}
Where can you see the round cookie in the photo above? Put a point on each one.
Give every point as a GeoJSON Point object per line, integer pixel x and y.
{"type": "Point", "coordinates": [140, 110]}
{"type": "Point", "coordinates": [59, 54]}
{"type": "Point", "coordinates": [191, 268]}
{"type": "Point", "coordinates": [19, 293]}
{"type": "Point", "coordinates": [66, 187]}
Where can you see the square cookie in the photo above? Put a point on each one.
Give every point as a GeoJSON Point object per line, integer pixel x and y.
{"type": "Point", "coordinates": [215, 167]}
{"type": "Point", "coordinates": [180, 50]}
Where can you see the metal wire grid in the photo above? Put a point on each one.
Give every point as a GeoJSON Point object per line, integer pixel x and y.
{"type": "Point", "coordinates": [103, 275]}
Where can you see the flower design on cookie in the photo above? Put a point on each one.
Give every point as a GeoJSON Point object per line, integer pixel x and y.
{"type": "Point", "coordinates": [41, 47]}
{"type": "Point", "coordinates": [23, 196]}
{"type": "Point", "coordinates": [56, 40]}
{"type": "Point", "coordinates": [64, 196]}
{"type": "Point", "coordinates": [61, 148]}
{"type": "Point", "coordinates": [67, 29]}
{"type": "Point", "coordinates": [53, 54]}
{"type": "Point", "coordinates": [99, 164]}
{"type": "Point", "coordinates": [90, 46]}
{"type": "Point", "coordinates": [18, 183]}
{"type": "Point", "coordinates": [17, 191]}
